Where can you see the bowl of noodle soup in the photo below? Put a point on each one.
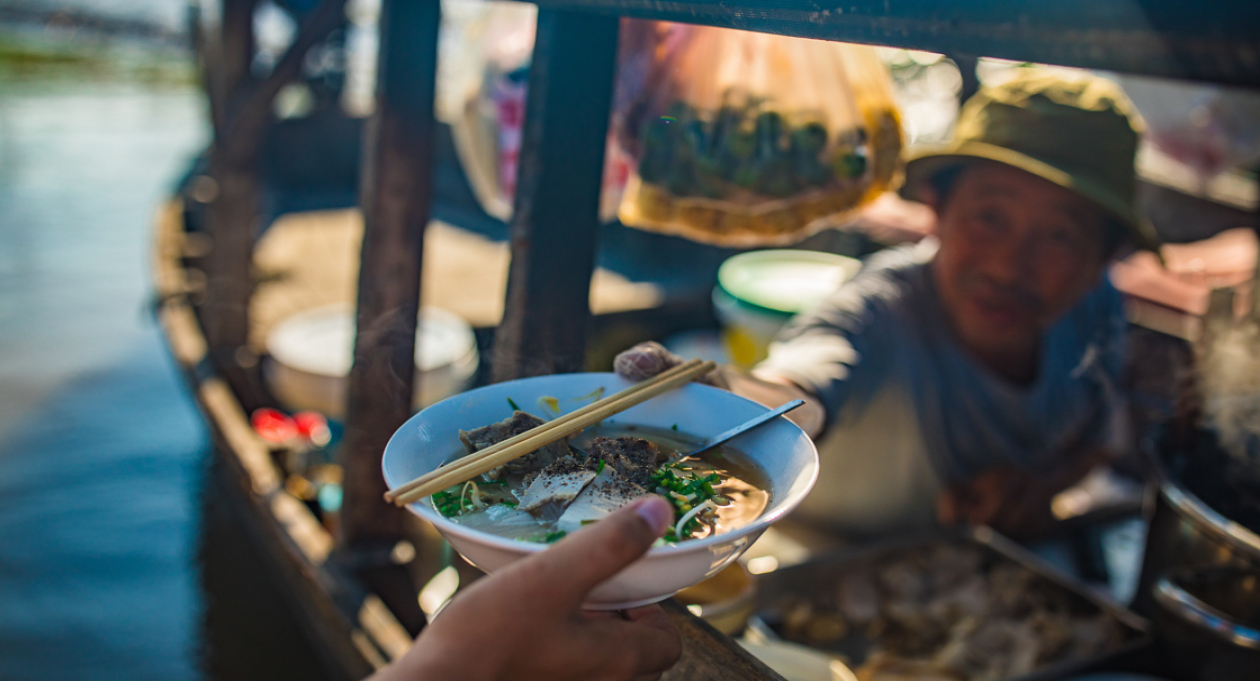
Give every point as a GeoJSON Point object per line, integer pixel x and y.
{"type": "Point", "coordinates": [724, 499]}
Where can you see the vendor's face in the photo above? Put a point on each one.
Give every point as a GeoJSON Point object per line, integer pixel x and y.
{"type": "Point", "coordinates": [1016, 253]}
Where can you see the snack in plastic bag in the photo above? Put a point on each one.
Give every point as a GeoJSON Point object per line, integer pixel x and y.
{"type": "Point", "coordinates": [745, 139]}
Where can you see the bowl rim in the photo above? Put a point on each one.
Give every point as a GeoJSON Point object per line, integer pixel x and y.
{"type": "Point", "coordinates": [444, 524]}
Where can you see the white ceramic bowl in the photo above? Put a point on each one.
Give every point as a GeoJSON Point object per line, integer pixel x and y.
{"type": "Point", "coordinates": [782, 451]}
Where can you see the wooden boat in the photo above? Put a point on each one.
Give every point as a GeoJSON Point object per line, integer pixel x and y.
{"type": "Point", "coordinates": [287, 597]}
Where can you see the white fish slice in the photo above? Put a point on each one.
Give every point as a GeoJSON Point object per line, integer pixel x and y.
{"type": "Point", "coordinates": [560, 486]}
{"type": "Point", "coordinates": [608, 492]}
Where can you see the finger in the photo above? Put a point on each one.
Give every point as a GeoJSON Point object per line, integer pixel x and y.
{"type": "Point", "coordinates": [599, 551]}
{"type": "Point", "coordinates": [641, 612]}
{"type": "Point", "coordinates": [650, 616]}
{"type": "Point", "coordinates": [652, 649]}
{"type": "Point", "coordinates": [644, 361]}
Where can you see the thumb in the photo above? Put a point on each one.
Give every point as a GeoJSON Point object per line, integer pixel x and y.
{"type": "Point", "coordinates": [603, 549]}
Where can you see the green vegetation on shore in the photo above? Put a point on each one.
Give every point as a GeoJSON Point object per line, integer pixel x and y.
{"type": "Point", "coordinates": [33, 56]}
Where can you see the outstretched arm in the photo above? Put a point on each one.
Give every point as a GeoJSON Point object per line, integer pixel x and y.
{"type": "Point", "coordinates": [648, 359]}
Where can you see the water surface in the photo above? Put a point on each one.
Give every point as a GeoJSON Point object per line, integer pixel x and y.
{"type": "Point", "coordinates": [100, 445]}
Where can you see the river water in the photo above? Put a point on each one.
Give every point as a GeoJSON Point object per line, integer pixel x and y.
{"type": "Point", "coordinates": [101, 447]}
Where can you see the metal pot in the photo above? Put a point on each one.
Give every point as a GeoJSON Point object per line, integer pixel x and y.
{"type": "Point", "coordinates": [1200, 586]}
{"type": "Point", "coordinates": [1207, 621]}
{"type": "Point", "coordinates": [1185, 533]}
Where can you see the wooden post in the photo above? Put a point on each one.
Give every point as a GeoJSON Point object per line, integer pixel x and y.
{"type": "Point", "coordinates": [235, 58]}
{"type": "Point", "coordinates": [232, 216]}
{"type": "Point", "coordinates": [231, 213]}
{"type": "Point", "coordinates": [556, 216]}
{"type": "Point", "coordinates": [397, 169]}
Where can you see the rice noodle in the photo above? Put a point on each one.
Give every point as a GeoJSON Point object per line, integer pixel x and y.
{"type": "Point", "coordinates": [682, 522]}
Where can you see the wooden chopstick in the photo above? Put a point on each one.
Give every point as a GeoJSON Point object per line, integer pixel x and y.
{"type": "Point", "coordinates": [494, 456]}
{"type": "Point", "coordinates": [559, 421]}
{"type": "Point", "coordinates": [477, 463]}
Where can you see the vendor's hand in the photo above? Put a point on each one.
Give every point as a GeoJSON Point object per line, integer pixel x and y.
{"type": "Point", "coordinates": [526, 621]}
{"type": "Point", "coordinates": [646, 360]}
{"type": "Point", "coordinates": [1010, 500]}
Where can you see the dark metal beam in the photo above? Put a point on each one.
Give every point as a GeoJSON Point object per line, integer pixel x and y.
{"type": "Point", "coordinates": [556, 216]}
{"type": "Point", "coordinates": [396, 180]}
{"type": "Point", "coordinates": [1208, 41]}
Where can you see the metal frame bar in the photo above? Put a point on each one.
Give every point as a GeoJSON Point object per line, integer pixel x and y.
{"type": "Point", "coordinates": [1213, 41]}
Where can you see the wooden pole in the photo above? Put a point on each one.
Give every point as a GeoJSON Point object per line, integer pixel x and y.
{"type": "Point", "coordinates": [397, 171]}
{"type": "Point", "coordinates": [232, 68]}
{"type": "Point", "coordinates": [232, 216]}
{"type": "Point", "coordinates": [556, 217]}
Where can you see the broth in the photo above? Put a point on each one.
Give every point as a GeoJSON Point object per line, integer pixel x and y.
{"type": "Point", "coordinates": [493, 508]}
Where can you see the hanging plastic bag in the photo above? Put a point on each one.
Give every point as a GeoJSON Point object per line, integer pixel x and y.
{"type": "Point", "coordinates": [1207, 128]}
{"type": "Point", "coordinates": [748, 139]}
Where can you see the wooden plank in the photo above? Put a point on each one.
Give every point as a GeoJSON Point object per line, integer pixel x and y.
{"type": "Point", "coordinates": [556, 217]}
{"type": "Point", "coordinates": [396, 176]}
{"type": "Point", "coordinates": [708, 655]}
{"type": "Point", "coordinates": [261, 619]}
{"type": "Point", "coordinates": [1213, 41]}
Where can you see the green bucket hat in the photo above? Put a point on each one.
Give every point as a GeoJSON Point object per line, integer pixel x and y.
{"type": "Point", "coordinates": [1080, 133]}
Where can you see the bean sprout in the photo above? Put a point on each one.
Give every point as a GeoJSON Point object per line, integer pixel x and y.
{"type": "Point", "coordinates": [476, 495]}
{"type": "Point", "coordinates": [682, 522]}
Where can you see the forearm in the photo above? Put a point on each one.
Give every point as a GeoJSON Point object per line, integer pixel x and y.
{"type": "Point", "coordinates": [773, 391]}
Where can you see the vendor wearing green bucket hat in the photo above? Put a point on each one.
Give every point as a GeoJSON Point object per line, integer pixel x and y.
{"type": "Point", "coordinates": [1079, 133]}
{"type": "Point", "coordinates": [972, 377]}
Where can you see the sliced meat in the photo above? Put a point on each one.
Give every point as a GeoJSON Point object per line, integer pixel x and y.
{"type": "Point", "coordinates": [519, 422]}
{"type": "Point", "coordinates": [561, 481]}
{"type": "Point", "coordinates": [609, 491]}
{"type": "Point", "coordinates": [633, 457]}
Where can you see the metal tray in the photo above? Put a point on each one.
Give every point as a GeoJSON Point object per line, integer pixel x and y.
{"type": "Point", "coordinates": [822, 574]}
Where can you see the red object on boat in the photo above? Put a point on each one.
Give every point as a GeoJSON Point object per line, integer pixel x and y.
{"type": "Point", "coordinates": [313, 426]}
{"type": "Point", "coordinates": [273, 425]}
